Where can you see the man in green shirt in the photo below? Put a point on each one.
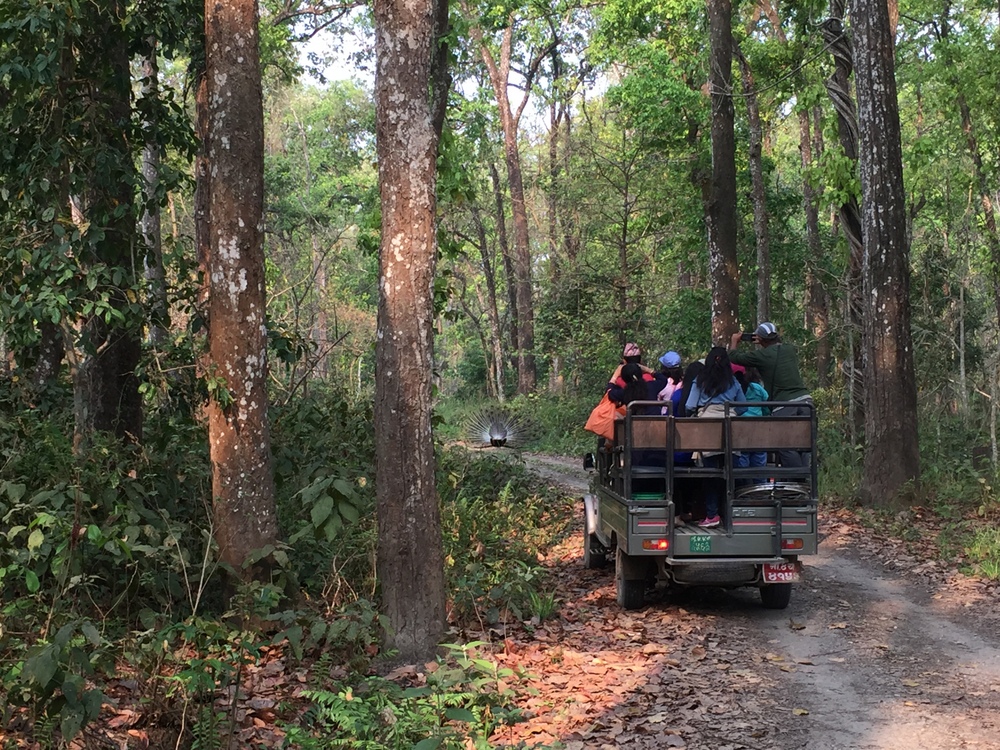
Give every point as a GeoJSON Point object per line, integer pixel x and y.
{"type": "Point", "coordinates": [778, 365]}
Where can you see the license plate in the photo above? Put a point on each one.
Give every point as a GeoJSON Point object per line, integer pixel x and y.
{"type": "Point", "coordinates": [701, 544]}
{"type": "Point", "coordinates": [786, 572]}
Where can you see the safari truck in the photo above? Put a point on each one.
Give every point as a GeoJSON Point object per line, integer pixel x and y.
{"type": "Point", "coordinates": [769, 513]}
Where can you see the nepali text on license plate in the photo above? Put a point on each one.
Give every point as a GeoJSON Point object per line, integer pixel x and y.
{"type": "Point", "coordinates": [701, 543]}
{"type": "Point", "coordinates": [786, 572]}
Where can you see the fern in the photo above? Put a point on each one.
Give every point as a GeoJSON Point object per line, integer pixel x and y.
{"type": "Point", "coordinates": [209, 730]}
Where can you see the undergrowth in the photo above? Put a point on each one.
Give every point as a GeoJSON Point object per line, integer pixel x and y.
{"type": "Point", "coordinates": [109, 573]}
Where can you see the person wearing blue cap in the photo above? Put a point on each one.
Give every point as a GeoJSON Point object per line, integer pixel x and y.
{"type": "Point", "coordinates": [671, 370]}
{"type": "Point", "coordinates": [778, 364]}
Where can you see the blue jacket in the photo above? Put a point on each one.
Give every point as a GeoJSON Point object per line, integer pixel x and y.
{"type": "Point", "coordinates": [697, 400]}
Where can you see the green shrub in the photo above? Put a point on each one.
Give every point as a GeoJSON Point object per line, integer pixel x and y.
{"type": "Point", "coordinates": [496, 519]}
{"type": "Point", "coordinates": [463, 701]}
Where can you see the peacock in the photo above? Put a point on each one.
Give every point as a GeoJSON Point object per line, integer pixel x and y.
{"type": "Point", "coordinates": [495, 427]}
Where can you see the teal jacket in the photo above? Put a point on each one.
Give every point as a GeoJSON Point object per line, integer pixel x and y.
{"type": "Point", "coordinates": [756, 392]}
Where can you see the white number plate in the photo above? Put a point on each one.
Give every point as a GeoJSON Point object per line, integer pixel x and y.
{"type": "Point", "coordinates": [786, 572]}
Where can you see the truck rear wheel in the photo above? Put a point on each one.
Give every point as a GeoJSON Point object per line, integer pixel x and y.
{"type": "Point", "coordinates": [630, 580]}
{"type": "Point", "coordinates": [776, 595]}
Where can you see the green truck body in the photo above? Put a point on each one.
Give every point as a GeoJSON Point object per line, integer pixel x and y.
{"type": "Point", "coordinates": [769, 513]}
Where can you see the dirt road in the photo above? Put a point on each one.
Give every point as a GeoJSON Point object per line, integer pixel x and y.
{"type": "Point", "coordinates": [866, 657]}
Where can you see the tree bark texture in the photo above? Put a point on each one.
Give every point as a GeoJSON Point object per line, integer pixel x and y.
{"type": "Point", "coordinates": [817, 299]}
{"type": "Point", "coordinates": [758, 192]}
{"type": "Point", "coordinates": [494, 349]}
{"type": "Point", "coordinates": [239, 438]}
{"type": "Point", "coordinates": [109, 385]}
{"type": "Point", "coordinates": [410, 86]}
{"type": "Point", "coordinates": [720, 209]}
{"type": "Point", "coordinates": [151, 225]}
{"type": "Point", "coordinates": [508, 260]}
{"type": "Point", "coordinates": [892, 457]}
{"type": "Point", "coordinates": [499, 72]}
{"type": "Point", "coordinates": [838, 87]}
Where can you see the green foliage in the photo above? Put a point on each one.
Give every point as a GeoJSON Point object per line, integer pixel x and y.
{"type": "Point", "coordinates": [53, 679]}
{"type": "Point", "coordinates": [56, 266]}
{"type": "Point", "coordinates": [465, 698]}
{"type": "Point", "coordinates": [497, 519]}
{"type": "Point", "coordinates": [983, 550]}
{"type": "Point", "coordinates": [323, 456]}
{"type": "Point", "coordinates": [350, 634]}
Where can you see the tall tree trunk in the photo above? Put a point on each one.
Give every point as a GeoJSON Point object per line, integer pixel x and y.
{"type": "Point", "coordinates": [411, 87]}
{"type": "Point", "coordinates": [817, 297]}
{"type": "Point", "coordinates": [838, 86]}
{"type": "Point", "coordinates": [720, 208]}
{"type": "Point", "coordinates": [499, 72]}
{"type": "Point", "coordinates": [239, 439]}
{"type": "Point", "coordinates": [892, 457]}
{"type": "Point", "coordinates": [522, 253]}
{"type": "Point", "coordinates": [570, 216]}
{"type": "Point", "coordinates": [495, 352]}
{"type": "Point", "coordinates": [109, 383]}
{"type": "Point", "coordinates": [758, 195]}
{"type": "Point", "coordinates": [508, 262]}
{"type": "Point", "coordinates": [151, 231]}
{"type": "Point", "coordinates": [817, 304]}
{"type": "Point", "coordinates": [552, 195]}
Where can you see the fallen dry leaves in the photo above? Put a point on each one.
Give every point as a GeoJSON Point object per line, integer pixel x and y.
{"type": "Point", "coordinates": [599, 678]}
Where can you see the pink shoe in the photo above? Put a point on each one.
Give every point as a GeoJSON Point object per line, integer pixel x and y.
{"type": "Point", "coordinates": [710, 523]}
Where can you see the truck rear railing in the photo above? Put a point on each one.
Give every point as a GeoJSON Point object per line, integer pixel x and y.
{"type": "Point", "coordinates": [640, 471]}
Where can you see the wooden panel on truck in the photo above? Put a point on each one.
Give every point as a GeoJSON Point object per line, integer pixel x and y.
{"type": "Point", "coordinates": [649, 433]}
{"type": "Point", "coordinates": [764, 433]}
{"type": "Point", "coordinates": [698, 434]}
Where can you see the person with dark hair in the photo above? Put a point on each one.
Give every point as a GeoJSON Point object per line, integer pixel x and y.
{"type": "Point", "coordinates": [778, 364]}
{"type": "Point", "coordinates": [712, 389]}
{"type": "Point", "coordinates": [637, 388]}
{"type": "Point", "coordinates": [690, 375]}
{"type": "Point", "coordinates": [687, 490]}
{"type": "Point", "coordinates": [631, 355]}
{"type": "Point", "coordinates": [631, 384]}
{"type": "Point", "coordinates": [714, 386]}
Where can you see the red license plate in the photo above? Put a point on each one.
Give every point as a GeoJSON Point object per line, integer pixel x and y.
{"type": "Point", "coordinates": [786, 572]}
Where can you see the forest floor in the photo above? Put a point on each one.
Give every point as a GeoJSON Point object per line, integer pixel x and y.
{"type": "Point", "coordinates": [882, 647]}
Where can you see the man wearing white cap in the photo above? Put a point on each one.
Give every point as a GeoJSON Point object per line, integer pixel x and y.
{"type": "Point", "coordinates": [778, 364]}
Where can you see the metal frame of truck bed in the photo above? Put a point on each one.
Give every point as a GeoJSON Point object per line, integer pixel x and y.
{"type": "Point", "coordinates": [633, 506]}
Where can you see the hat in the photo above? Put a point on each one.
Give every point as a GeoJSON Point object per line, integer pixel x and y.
{"type": "Point", "coordinates": [767, 331]}
{"type": "Point", "coordinates": [671, 359]}
{"type": "Point", "coordinates": [737, 368]}
{"type": "Point", "coordinates": [631, 350]}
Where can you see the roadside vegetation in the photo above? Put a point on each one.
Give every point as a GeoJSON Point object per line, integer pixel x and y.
{"type": "Point", "coordinates": [114, 619]}
{"type": "Point", "coordinates": [547, 244]}
{"type": "Point", "coordinates": [112, 596]}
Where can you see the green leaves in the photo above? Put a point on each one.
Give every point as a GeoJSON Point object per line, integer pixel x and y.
{"type": "Point", "coordinates": [331, 502]}
{"type": "Point", "coordinates": [52, 678]}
